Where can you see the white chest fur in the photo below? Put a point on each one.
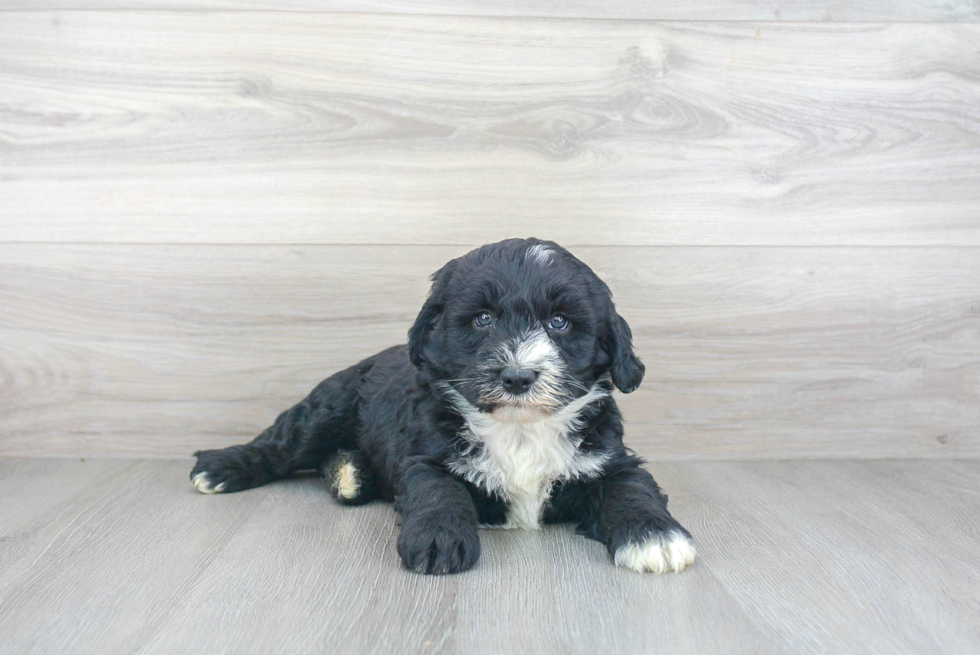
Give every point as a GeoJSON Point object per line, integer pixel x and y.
{"type": "Point", "coordinates": [520, 455]}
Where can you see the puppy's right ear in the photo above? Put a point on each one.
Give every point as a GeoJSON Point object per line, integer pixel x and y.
{"type": "Point", "coordinates": [418, 334]}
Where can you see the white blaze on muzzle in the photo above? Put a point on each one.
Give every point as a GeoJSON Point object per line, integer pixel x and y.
{"type": "Point", "coordinates": [535, 351]}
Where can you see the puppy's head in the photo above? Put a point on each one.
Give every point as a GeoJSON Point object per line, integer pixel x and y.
{"type": "Point", "coordinates": [520, 329]}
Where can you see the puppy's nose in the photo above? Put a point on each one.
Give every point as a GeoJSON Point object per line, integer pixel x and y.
{"type": "Point", "coordinates": [517, 380]}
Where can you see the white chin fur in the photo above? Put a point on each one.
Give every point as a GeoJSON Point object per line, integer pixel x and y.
{"type": "Point", "coordinates": [658, 554]}
{"type": "Point", "coordinates": [519, 453]}
{"type": "Point", "coordinates": [518, 414]}
{"type": "Point", "coordinates": [203, 484]}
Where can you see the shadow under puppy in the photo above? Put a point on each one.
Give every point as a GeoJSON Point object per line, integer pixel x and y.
{"type": "Point", "coordinates": [498, 412]}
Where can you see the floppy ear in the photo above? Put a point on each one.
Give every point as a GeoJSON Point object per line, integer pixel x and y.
{"type": "Point", "coordinates": [626, 369]}
{"type": "Point", "coordinates": [418, 334]}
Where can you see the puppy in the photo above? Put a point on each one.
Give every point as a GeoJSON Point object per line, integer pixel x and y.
{"type": "Point", "coordinates": [498, 413]}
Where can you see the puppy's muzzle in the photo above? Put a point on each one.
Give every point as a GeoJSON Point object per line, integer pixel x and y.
{"type": "Point", "coordinates": [517, 380]}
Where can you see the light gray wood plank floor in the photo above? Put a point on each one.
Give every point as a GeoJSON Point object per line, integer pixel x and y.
{"type": "Point", "coordinates": [795, 557]}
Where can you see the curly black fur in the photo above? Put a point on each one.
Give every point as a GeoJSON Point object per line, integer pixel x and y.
{"type": "Point", "coordinates": [406, 420]}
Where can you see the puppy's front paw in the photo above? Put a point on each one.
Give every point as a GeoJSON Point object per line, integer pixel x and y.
{"type": "Point", "coordinates": [658, 552]}
{"type": "Point", "coordinates": [438, 549]}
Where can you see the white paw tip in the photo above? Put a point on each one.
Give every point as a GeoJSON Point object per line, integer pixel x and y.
{"type": "Point", "coordinates": [202, 483]}
{"type": "Point", "coordinates": [658, 554]}
{"type": "Point", "coordinates": [345, 481]}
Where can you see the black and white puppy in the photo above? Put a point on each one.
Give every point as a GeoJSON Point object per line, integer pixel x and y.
{"type": "Point", "coordinates": [497, 413]}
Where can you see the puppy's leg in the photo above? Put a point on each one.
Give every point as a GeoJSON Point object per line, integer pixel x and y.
{"type": "Point", "coordinates": [637, 529]}
{"type": "Point", "coordinates": [301, 438]}
{"type": "Point", "coordinates": [627, 512]}
{"type": "Point", "coordinates": [439, 521]}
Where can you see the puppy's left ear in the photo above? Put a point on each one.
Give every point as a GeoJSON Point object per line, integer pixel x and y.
{"type": "Point", "coordinates": [626, 368]}
{"type": "Point", "coordinates": [418, 334]}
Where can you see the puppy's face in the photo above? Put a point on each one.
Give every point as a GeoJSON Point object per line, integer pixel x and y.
{"type": "Point", "coordinates": [520, 329]}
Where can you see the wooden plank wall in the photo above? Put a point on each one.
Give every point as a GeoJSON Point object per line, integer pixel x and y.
{"type": "Point", "coordinates": [206, 207]}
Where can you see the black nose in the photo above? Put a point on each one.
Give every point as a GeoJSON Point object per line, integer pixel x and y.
{"type": "Point", "coordinates": [517, 380]}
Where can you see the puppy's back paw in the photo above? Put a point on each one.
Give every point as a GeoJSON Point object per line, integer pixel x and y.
{"type": "Point", "coordinates": [202, 482]}
{"type": "Point", "coordinates": [228, 470]}
{"type": "Point", "coordinates": [658, 552]}
{"type": "Point", "coordinates": [349, 477]}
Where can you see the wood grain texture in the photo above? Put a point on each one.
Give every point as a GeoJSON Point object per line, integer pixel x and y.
{"type": "Point", "coordinates": [801, 557]}
{"type": "Point", "coordinates": [730, 10]}
{"type": "Point", "coordinates": [251, 127]}
{"type": "Point", "coordinates": [751, 352]}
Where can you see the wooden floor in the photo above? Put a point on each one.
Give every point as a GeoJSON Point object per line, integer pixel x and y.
{"type": "Point", "coordinates": [110, 556]}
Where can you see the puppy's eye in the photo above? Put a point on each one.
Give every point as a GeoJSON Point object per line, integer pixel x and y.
{"type": "Point", "coordinates": [558, 322]}
{"type": "Point", "coordinates": [483, 320]}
